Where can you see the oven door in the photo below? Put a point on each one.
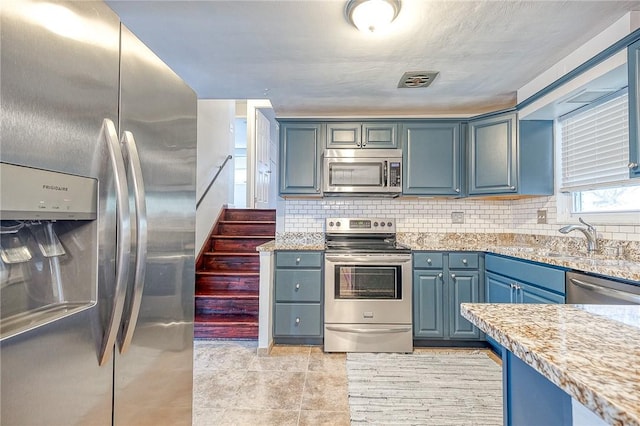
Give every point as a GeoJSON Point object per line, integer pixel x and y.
{"type": "Point", "coordinates": [368, 288]}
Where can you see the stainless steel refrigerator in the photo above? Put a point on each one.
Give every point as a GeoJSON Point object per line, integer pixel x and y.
{"type": "Point", "coordinates": [98, 145]}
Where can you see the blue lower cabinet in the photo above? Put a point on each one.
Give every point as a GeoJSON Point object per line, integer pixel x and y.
{"type": "Point", "coordinates": [441, 282]}
{"type": "Point", "coordinates": [298, 295]}
{"type": "Point", "coordinates": [464, 287]}
{"type": "Point", "coordinates": [297, 319]}
{"type": "Point", "coordinates": [428, 312]}
{"type": "Point", "coordinates": [529, 398]}
{"type": "Point", "coordinates": [510, 280]}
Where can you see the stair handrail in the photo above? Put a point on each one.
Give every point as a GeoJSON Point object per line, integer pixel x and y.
{"type": "Point", "coordinates": [224, 163]}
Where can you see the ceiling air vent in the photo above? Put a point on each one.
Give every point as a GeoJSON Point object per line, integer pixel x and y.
{"type": "Point", "coordinates": [416, 79]}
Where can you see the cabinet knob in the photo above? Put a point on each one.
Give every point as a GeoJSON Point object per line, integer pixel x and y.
{"type": "Point", "coordinates": [428, 260]}
{"type": "Point", "coordinates": [453, 276]}
{"type": "Point", "coordinates": [297, 286]}
{"type": "Point", "coordinates": [458, 190]}
{"type": "Point", "coordinates": [298, 260]}
{"type": "Point", "coordinates": [297, 320]}
{"type": "Point", "coordinates": [513, 188]}
{"type": "Point", "coordinates": [464, 261]}
{"type": "Point", "coordinates": [632, 165]}
{"type": "Point", "coordinates": [440, 275]}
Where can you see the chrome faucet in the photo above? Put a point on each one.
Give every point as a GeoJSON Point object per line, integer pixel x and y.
{"type": "Point", "coordinates": [588, 230]}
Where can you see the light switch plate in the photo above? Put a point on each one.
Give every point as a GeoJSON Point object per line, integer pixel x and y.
{"type": "Point", "coordinates": [542, 216]}
{"type": "Point", "coordinates": [457, 217]}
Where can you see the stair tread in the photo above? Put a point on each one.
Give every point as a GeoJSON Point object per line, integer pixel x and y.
{"type": "Point", "coordinates": [229, 272]}
{"type": "Point", "coordinates": [262, 237]}
{"type": "Point", "coordinates": [229, 294]}
{"type": "Point", "coordinates": [226, 319]}
{"type": "Point", "coordinates": [230, 253]}
{"type": "Point", "coordinates": [248, 221]}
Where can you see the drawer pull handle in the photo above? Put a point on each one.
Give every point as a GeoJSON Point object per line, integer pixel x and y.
{"type": "Point", "coordinates": [297, 286]}
{"type": "Point", "coordinates": [428, 260]}
{"type": "Point", "coordinates": [297, 320]}
{"type": "Point", "coordinates": [464, 261]}
{"type": "Point", "coordinates": [298, 260]}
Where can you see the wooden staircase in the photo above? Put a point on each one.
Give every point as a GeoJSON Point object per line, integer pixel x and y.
{"type": "Point", "coordinates": [228, 275]}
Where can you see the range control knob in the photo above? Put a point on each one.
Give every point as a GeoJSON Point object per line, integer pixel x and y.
{"type": "Point", "coordinates": [389, 224]}
{"type": "Point", "coordinates": [337, 223]}
{"type": "Point", "coordinates": [382, 223]}
{"type": "Point", "coordinates": [375, 224]}
{"type": "Point", "coordinates": [330, 224]}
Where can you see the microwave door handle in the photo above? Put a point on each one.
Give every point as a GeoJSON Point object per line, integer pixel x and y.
{"type": "Point", "coordinates": [385, 174]}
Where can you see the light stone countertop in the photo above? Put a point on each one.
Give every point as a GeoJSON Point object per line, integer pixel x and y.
{"type": "Point", "coordinates": [592, 352]}
{"type": "Point", "coordinates": [548, 251]}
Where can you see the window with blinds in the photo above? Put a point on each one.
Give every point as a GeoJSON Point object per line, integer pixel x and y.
{"type": "Point", "coordinates": [595, 145]}
{"type": "Point", "coordinates": [594, 150]}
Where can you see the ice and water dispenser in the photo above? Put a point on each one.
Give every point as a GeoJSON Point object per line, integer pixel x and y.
{"type": "Point", "coordinates": [48, 246]}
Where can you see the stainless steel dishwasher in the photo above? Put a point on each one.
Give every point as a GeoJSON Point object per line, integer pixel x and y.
{"type": "Point", "coordinates": [587, 289]}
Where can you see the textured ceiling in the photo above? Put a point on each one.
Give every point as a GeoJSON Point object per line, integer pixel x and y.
{"type": "Point", "coordinates": [308, 60]}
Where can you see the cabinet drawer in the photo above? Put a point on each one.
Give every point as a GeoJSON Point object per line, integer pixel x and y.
{"type": "Point", "coordinates": [522, 271]}
{"type": "Point", "coordinates": [298, 285]}
{"type": "Point", "coordinates": [463, 260]}
{"type": "Point", "coordinates": [299, 259]}
{"type": "Point", "coordinates": [427, 260]}
{"type": "Point", "coordinates": [296, 319]}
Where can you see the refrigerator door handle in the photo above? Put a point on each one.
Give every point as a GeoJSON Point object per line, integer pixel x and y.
{"type": "Point", "coordinates": [135, 171]}
{"type": "Point", "coordinates": [123, 235]}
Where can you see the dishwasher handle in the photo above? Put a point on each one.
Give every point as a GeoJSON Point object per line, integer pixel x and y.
{"type": "Point", "coordinates": [611, 292]}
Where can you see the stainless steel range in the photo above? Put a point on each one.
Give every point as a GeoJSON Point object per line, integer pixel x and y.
{"type": "Point", "coordinates": [367, 287]}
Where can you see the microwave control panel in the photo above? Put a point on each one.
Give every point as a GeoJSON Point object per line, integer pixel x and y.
{"type": "Point", "coordinates": [395, 174]}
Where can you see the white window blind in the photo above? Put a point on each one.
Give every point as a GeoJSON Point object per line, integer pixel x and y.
{"type": "Point", "coordinates": [595, 145]}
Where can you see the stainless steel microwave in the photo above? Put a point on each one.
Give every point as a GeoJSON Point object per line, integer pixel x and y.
{"type": "Point", "coordinates": [362, 172]}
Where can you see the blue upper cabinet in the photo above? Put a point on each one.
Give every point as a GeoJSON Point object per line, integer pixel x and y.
{"type": "Point", "coordinates": [301, 147]}
{"type": "Point", "coordinates": [356, 135]}
{"type": "Point", "coordinates": [431, 155]}
{"type": "Point", "coordinates": [493, 155]}
{"type": "Point", "coordinates": [634, 109]}
{"type": "Point", "coordinates": [507, 156]}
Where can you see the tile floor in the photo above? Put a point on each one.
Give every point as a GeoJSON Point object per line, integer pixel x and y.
{"type": "Point", "coordinates": [294, 385]}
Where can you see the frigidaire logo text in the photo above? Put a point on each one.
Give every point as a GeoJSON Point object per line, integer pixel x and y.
{"type": "Point", "coordinates": [55, 188]}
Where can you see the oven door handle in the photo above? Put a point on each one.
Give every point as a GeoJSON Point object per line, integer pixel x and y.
{"type": "Point", "coordinates": [369, 330]}
{"type": "Point", "coordinates": [373, 260]}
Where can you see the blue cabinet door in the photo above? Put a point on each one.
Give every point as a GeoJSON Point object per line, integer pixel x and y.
{"type": "Point", "coordinates": [633, 63]}
{"type": "Point", "coordinates": [379, 135]}
{"type": "Point", "coordinates": [432, 159]}
{"type": "Point", "coordinates": [499, 289]}
{"type": "Point", "coordinates": [428, 312]}
{"type": "Point", "coordinates": [300, 152]}
{"type": "Point", "coordinates": [344, 135]}
{"type": "Point", "coordinates": [493, 155]}
{"type": "Point", "coordinates": [531, 294]}
{"type": "Point", "coordinates": [464, 287]}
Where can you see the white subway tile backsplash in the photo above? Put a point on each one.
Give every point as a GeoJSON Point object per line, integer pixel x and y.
{"type": "Point", "coordinates": [434, 215]}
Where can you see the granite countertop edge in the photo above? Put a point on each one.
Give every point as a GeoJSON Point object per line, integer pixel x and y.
{"type": "Point", "coordinates": [611, 267]}
{"type": "Point", "coordinates": [531, 350]}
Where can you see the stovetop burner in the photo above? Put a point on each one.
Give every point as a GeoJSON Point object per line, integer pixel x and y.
{"type": "Point", "coordinates": [362, 235]}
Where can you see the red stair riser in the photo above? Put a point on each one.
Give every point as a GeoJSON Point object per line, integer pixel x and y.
{"type": "Point", "coordinates": [243, 214]}
{"type": "Point", "coordinates": [209, 306]}
{"type": "Point", "coordinates": [237, 245]}
{"type": "Point", "coordinates": [230, 228]}
{"type": "Point", "coordinates": [215, 331]}
{"type": "Point", "coordinates": [208, 283]}
{"type": "Point", "coordinates": [230, 263]}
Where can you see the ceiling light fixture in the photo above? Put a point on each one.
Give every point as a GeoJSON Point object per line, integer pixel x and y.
{"type": "Point", "coordinates": [372, 15]}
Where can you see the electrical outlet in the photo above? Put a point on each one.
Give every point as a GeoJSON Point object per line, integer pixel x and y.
{"type": "Point", "coordinates": [457, 217]}
{"type": "Point", "coordinates": [542, 216]}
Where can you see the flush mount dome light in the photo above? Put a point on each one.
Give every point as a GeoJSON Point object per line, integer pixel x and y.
{"type": "Point", "coordinates": [372, 15]}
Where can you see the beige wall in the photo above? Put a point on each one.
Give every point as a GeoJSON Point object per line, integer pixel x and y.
{"type": "Point", "coordinates": [215, 142]}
